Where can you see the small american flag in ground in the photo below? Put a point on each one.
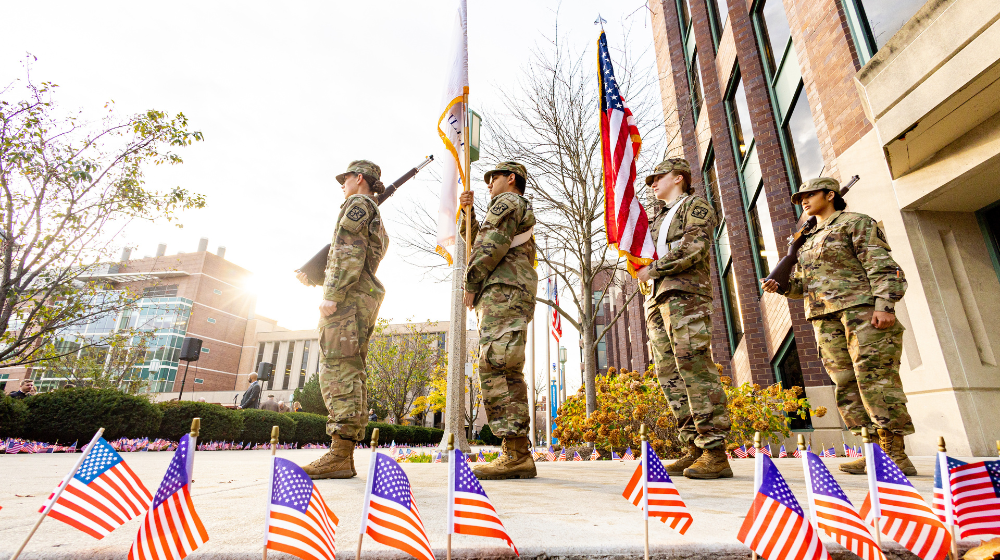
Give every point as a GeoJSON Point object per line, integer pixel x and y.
{"type": "Point", "coordinates": [595, 455]}
{"type": "Point", "coordinates": [663, 499]}
{"type": "Point", "coordinates": [976, 492]}
{"type": "Point", "coordinates": [298, 521]}
{"type": "Point", "coordinates": [562, 454]}
{"type": "Point", "coordinates": [390, 515]}
{"type": "Point", "coordinates": [775, 527]}
{"type": "Point", "coordinates": [14, 446]}
{"type": "Point", "coordinates": [751, 451]}
{"type": "Point", "coordinates": [437, 458]}
{"type": "Point", "coordinates": [102, 496]}
{"type": "Point", "coordinates": [937, 504]}
{"type": "Point", "coordinates": [829, 453]}
{"type": "Point", "coordinates": [470, 511]}
{"type": "Point", "coordinates": [766, 450]}
{"type": "Point", "coordinates": [905, 518]}
{"type": "Point", "coordinates": [171, 529]}
{"type": "Point", "coordinates": [614, 456]}
{"type": "Point", "coordinates": [835, 514]}
{"type": "Point", "coordinates": [850, 451]}
{"type": "Point", "coordinates": [576, 456]}
{"type": "Point", "coordinates": [628, 455]}
{"type": "Point", "coordinates": [480, 458]}
{"type": "Point", "coordinates": [551, 455]}
{"type": "Point", "coordinates": [740, 452]}
{"type": "Point", "coordinates": [782, 454]}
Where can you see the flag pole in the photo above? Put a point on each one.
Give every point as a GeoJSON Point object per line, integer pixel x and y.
{"type": "Point", "coordinates": [451, 489]}
{"type": "Point", "coordinates": [758, 472]}
{"type": "Point", "coordinates": [58, 492]}
{"type": "Point", "coordinates": [467, 163]}
{"type": "Point", "coordinates": [645, 487]}
{"type": "Point", "coordinates": [801, 444]}
{"type": "Point", "coordinates": [371, 475]}
{"type": "Point", "coordinates": [872, 483]}
{"type": "Point", "coordinates": [195, 430]}
{"type": "Point", "coordinates": [267, 520]}
{"type": "Point", "coordinates": [548, 357]}
{"type": "Point", "coordinates": [949, 510]}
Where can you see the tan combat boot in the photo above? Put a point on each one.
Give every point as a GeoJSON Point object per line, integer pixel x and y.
{"type": "Point", "coordinates": [712, 463]}
{"type": "Point", "coordinates": [857, 466]}
{"type": "Point", "coordinates": [893, 446]}
{"type": "Point", "coordinates": [337, 463]}
{"type": "Point", "coordinates": [514, 461]}
{"type": "Point", "coordinates": [677, 467]}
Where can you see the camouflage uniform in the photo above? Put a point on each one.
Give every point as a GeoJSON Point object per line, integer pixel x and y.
{"type": "Point", "coordinates": [679, 318]}
{"type": "Point", "coordinates": [845, 273]}
{"type": "Point", "coordinates": [358, 246]}
{"type": "Point", "coordinates": [505, 282]}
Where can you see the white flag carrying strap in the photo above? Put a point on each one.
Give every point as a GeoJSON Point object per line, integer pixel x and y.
{"type": "Point", "coordinates": [662, 247]}
{"type": "Point", "coordinates": [522, 238]}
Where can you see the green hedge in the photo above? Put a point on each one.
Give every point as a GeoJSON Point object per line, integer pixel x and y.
{"type": "Point", "coordinates": [218, 423]}
{"type": "Point", "coordinates": [310, 397]}
{"type": "Point", "coordinates": [486, 436]}
{"type": "Point", "coordinates": [403, 435]}
{"type": "Point", "coordinates": [13, 416]}
{"type": "Point", "coordinates": [257, 426]}
{"type": "Point", "coordinates": [309, 428]}
{"type": "Point", "coordinates": [76, 414]}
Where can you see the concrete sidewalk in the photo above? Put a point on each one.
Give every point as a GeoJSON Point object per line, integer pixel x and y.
{"type": "Point", "coordinates": [572, 510]}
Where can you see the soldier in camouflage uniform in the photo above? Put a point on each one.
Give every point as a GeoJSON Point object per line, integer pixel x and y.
{"type": "Point", "coordinates": [500, 285]}
{"type": "Point", "coordinates": [851, 285]}
{"type": "Point", "coordinates": [679, 321]}
{"type": "Point", "coordinates": [352, 296]}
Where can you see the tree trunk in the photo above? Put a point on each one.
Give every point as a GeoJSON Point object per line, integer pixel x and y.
{"type": "Point", "coordinates": [587, 324]}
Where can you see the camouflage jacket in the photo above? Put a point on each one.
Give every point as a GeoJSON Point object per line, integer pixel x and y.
{"type": "Point", "coordinates": [358, 246]}
{"type": "Point", "coordinates": [493, 261]}
{"type": "Point", "coordinates": [844, 263]}
{"type": "Point", "coordinates": [685, 267]}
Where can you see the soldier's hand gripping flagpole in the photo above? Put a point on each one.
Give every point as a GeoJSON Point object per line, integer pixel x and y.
{"type": "Point", "coordinates": [368, 491]}
{"type": "Point", "coordinates": [58, 492]}
{"type": "Point", "coordinates": [270, 485]}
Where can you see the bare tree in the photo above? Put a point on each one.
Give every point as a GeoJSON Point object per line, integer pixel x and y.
{"type": "Point", "coordinates": [402, 362]}
{"type": "Point", "coordinates": [68, 185]}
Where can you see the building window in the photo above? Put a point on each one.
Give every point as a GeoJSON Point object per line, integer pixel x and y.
{"type": "Point", "coordinates": [718, 12]}
{"type": "Point", "coordinates": [989, 223]}
{"type": "Point", "coordinates": [602, 355]}
{"type": "Point", "coordinates": [874, 22]}
{"type": "Point", "coordinates": [697, 95]}
{"type": "Point", "coordinates": [205, 349]}
{"type": "Point", "coordinates": [288, 365]}
{"type": "Point", "coordinates": [211, 320]}
{"type": "Point", "coordinates": [260, 356]}
{"type": "Point", "coordinates": [160, 291]}
{"type": "Point", "coordinates": [734, 313]}
{"type": "Point", "coordinates": [710, 176]}
{"type": "Point", "coordinates": [684, 15]}
{"type": "Point", "coordinates": [775, 32]}
{"type": "Point", "coordinates": [305, 363]}
{"type": "Point", "coordinates": [788, 371]}
{"type": "Point", "coordinates": [762, 235]}
{"type": "Point", "coordinates": [739, 118]}
{"type": "Point", "coordinates": [274, 362]}
{"type": "Point", "coordinates": [805, 156]}
{"type": "Point", "coordinates": [217, 292]}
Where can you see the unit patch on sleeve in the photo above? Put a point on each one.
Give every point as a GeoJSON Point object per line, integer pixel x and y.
{"type": "Point", "coordinates": [700, 212]}
{"type": "Point", "coordinates": [356, 214]}
{"type": "Point", "coordinates": [499, 208]}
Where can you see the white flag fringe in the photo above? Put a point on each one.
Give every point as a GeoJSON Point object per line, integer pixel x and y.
{"type": "Point", "coordinates": [450, 128]}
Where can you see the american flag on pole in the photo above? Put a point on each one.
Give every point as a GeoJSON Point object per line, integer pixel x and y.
{"type": "Point", "coordinates": [298, 520]}
{"type": "Point", "coordinates": [172, 528]}
{"type": "Point", "coordinates": [480, 458]}
{"type": "Point", "coordinates": [740, 452]}
{"type": "Point", "coordinates": [834, 513]}
{"type": "Point", "coordinates": [905, 517]}
{"type": "Point", "coordinates": [751, 451]}
{"type": "Point", "coordinates": [628, 454]}
{"type": "Point", "coordinates": [556, 319]}
{"type": "Point", "coordinates": [776, 526]}
{"type": "Point", "coordinates": [940, 488]}
{"type": "Point", "coordinates": [614, 456]}
{"type": "Point", "coordinates": [655, 492]}
{"type": "Point", "coordinates": [470, 511]}
{"type": "Point", "coordinates": [390, 515]}
{"type": "Point", "coordinates": [782, 454]}
{"type": "Point", "coordinates": [851, 451]}
{"type": "Point", "coordinates": [828, 453]}
{"type": "Point", "coordinates": [551, 455]}
{"type": "Point", "coordinates": [437, 458]}
{"type": "Point", "coordinates": [976, 492]}
{"type": "Point", "coordinates": [766, 450]}
{"type": "Point", "coordinates": [102, 495]}
{"type": "Point", "coordinates": [625, 220]}
{"type": "Point", "coordinates": [576, 456]}
{"type": "Point", "coordinates": [562, 454]}
{"type": "Point", "coordinates": [595, 455]}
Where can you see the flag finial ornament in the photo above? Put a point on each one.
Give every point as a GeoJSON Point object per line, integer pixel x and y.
{"type": "Point", "coordinates": [274, 435]}
{"type": "Point", "coordinates": [756, 440]}
{"type": "Point", "coordinates": [451, 441]}
{"type": "Point", "coordinates": [375, 437]}
{"type": "Point", "coordinates": [195, 427]}
{"type": "Point", "coordinates": [642, 432]}
{"type": "Point", "coordinates": [801, 443]}
{"type": "Point", "coordinates": [865, 435]}
{"type": "Point", "coordinates": [941, 446]}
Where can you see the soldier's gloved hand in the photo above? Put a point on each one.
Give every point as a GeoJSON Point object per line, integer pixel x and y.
{"type": "Point", "coordinates": [470, 300]}
{"type": "Point", "coordinates": [301, 277]}
{"type": "Point", "coordinates": [327, 308]}
{"type": "Point", "coordinates": [883, 320]}
{"type": "Point", "coordinates": [770, 286]}
{"type": "Point", "coordinates": [466, 199]}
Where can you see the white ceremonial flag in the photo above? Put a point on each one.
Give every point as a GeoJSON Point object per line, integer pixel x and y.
{"type": "Point", "coordinates": [450, 128]}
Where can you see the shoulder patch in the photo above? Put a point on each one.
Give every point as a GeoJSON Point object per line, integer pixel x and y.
{"type": "Point", "coordinates": [499, 209]}
{"type": "Point", "coordinates": [699, 213]}
{"type": "Point", "coordinates": [877, 237]}
{"type": "Point", "coordinates": [356, 217]}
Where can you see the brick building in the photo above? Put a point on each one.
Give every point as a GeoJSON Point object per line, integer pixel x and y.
{"type": "Point", "coordinates": [903, 93]}
{"type": "Point", "coordinates": [626, 344]}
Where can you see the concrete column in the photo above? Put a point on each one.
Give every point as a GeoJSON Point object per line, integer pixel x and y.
{"type": "Point", "coordinates": [454, 416]}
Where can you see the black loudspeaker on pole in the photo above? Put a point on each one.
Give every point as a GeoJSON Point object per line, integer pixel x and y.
{"type": "Point", "coordinates": [264, 370]}
{"type": "Point", "coordinates": [190, 352]}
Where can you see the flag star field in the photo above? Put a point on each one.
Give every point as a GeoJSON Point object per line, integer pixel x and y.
{"type": "Point", "coordinates": [102, 458]}
{"type": "Point", "coordinates": [775, 488]}
{"type": "Point", "coordinates": [822, 481]}
{"type": "Point", "coordinates": [176, 476]}
{"type": "Point", "coordinates": [292, 487]}
{"type": "Point", "coordinates": [390, 481]}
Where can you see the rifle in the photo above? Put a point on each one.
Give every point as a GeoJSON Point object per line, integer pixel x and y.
{"type": "Point", "coordinates": [315, 269]}
{"type": "Point", "coordinates": [783, 270]}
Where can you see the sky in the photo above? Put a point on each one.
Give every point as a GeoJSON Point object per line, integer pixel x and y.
{"type": "Point", "coordinates": [287, 94]}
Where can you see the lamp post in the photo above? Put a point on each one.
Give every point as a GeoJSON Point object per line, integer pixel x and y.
{"type": "Point", "coordinates": [562, 372]}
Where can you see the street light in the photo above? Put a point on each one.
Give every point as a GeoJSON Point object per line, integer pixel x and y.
{"type": "Point", "coordinates": [562, 371]}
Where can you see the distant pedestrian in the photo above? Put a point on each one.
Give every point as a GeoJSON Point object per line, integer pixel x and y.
{"type": "Point", "coordinates": [296, 406]}
{"type": "Point", "coordinates": [251, 398]}
{"type": "Point", "coordinates": [202, 399]}
{"type": "Point", "coordinates": [371, 415]}
{"type": "Point", "coordinates": [270, 404]}
{"type": "Point", "coordinates": [282, 407]}
{"type": "Point", "coordinates": [26, 390]}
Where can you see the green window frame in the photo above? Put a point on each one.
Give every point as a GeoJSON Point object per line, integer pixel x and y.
{"type": "Point", "coordinates": [685, 21]}
{"type": "Point", "coordinates": [789, 351]}
{"type": "Point", "coordinates": [985, 216]}
{"type": "Point", "coordinates": [723, 254]}
{"type": "Point", "coordinates": [863, 36]}
{"type": "Point", "coordinates": [718, 16]}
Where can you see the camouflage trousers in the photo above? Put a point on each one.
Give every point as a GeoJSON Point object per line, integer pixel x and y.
{"type": "Point", "coordinates": [680, 336]}
{"type": "Point", "coordinates": [864, 363]}
{"type": "Point", "coordinates": [343, 343]}
{"type": "Point", "coordinates": [504, 313]}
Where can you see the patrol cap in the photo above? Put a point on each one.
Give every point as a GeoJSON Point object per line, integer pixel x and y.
{"type": "Point", "coordinates": [668, 165]}
{"type": "Point", "coordinates": [362, 166]}
{"type": "Point", "coordinates": [817, 184]}
{"type": "Point", "coordinates": [509, 167]}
